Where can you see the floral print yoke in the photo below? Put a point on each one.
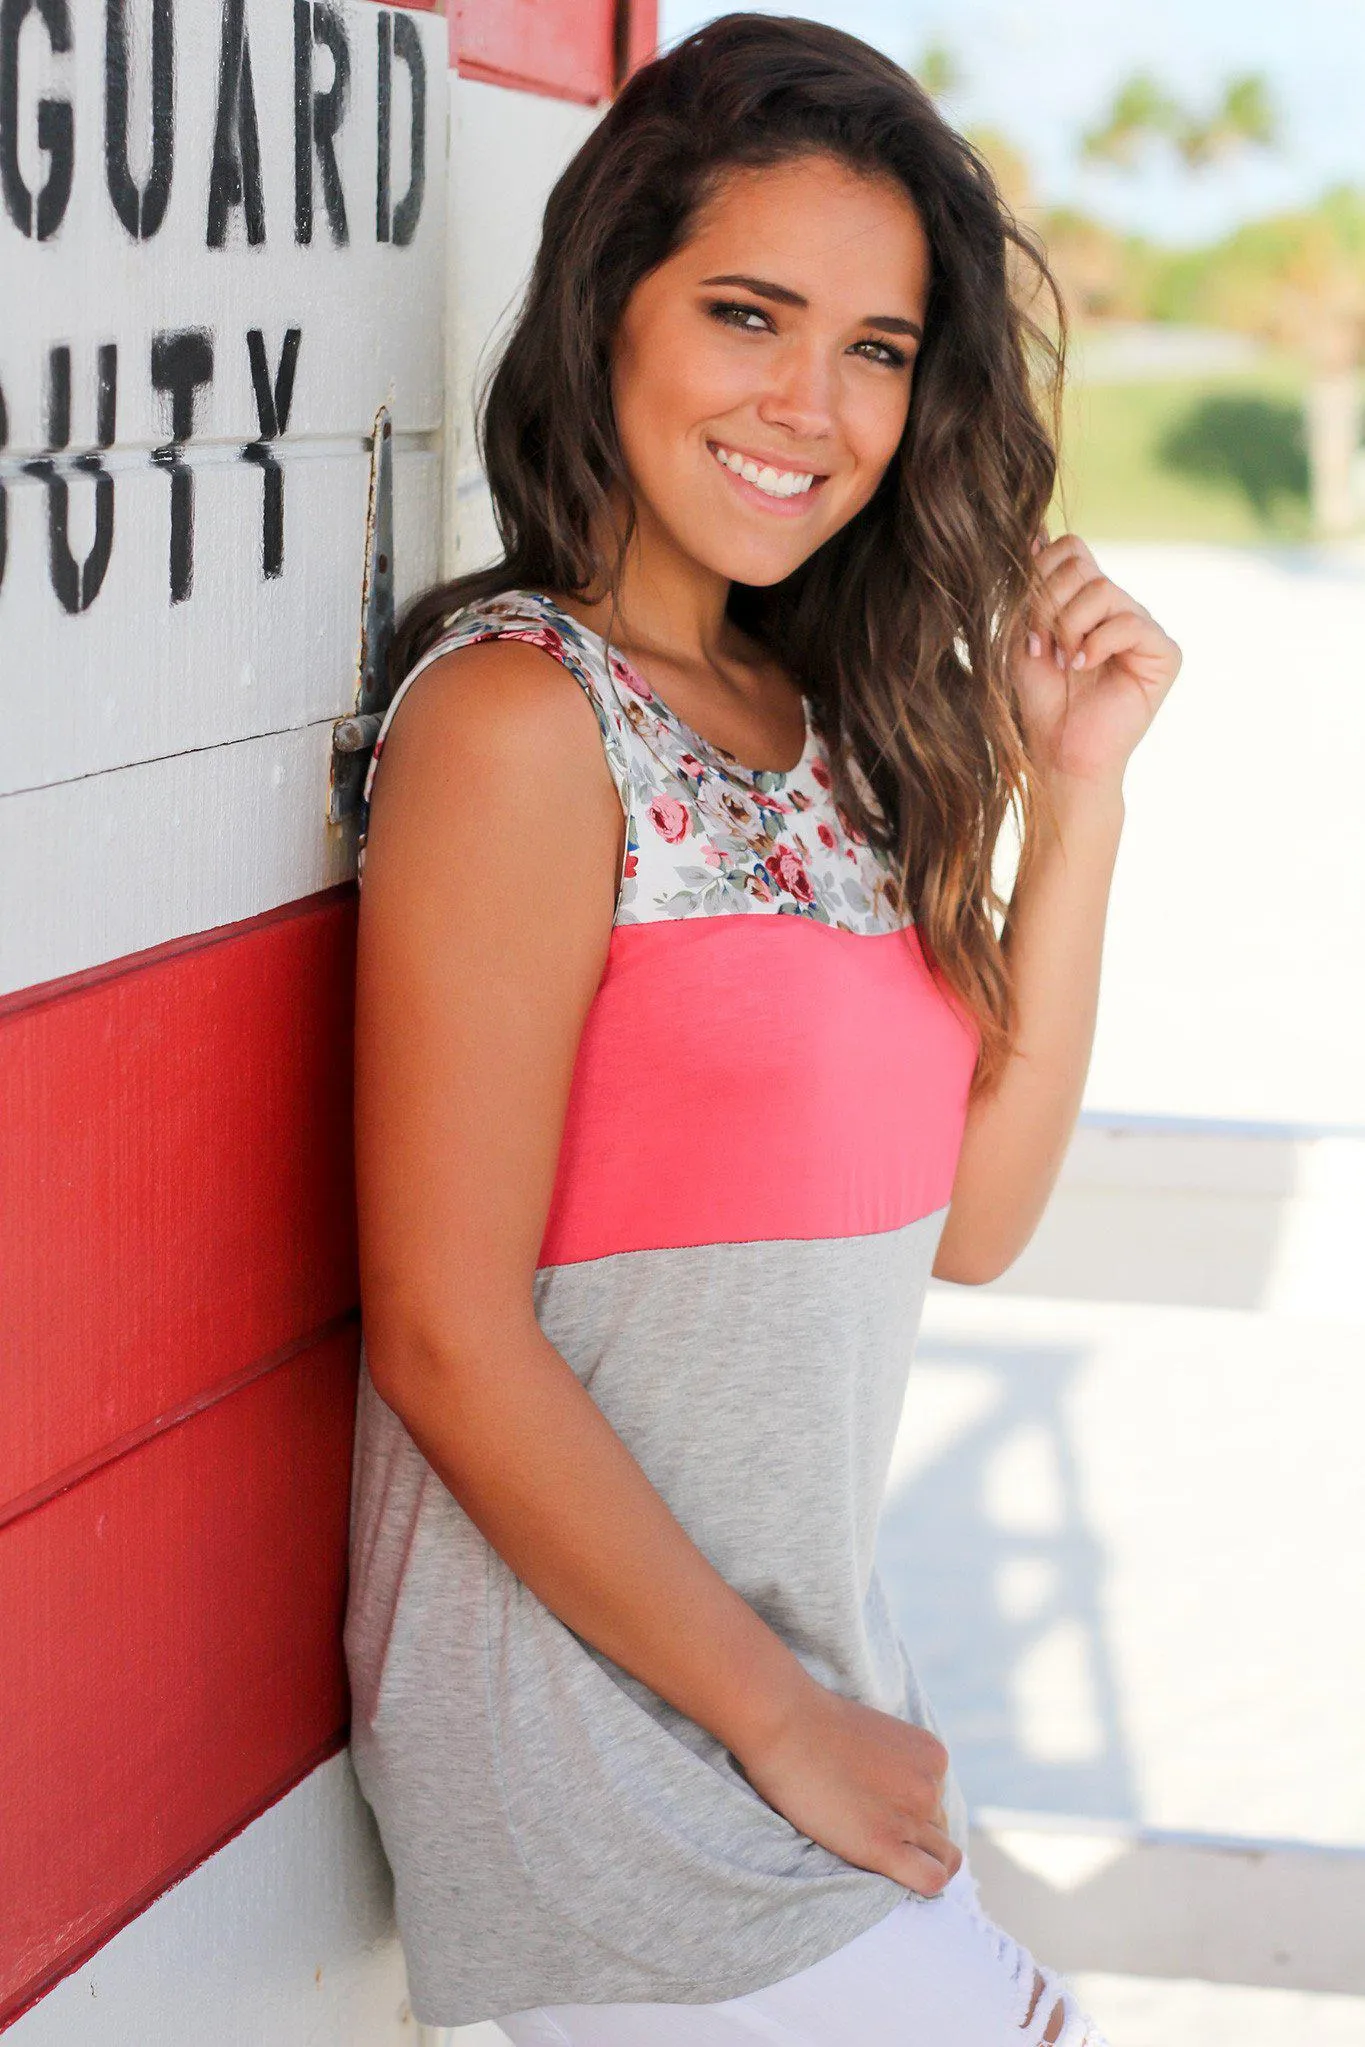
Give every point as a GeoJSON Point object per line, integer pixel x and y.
{"type": "Point", "coordinates": [705, 835]}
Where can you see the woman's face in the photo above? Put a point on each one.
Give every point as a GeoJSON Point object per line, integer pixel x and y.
{"type": "Point", "coordinates": [782, 337]}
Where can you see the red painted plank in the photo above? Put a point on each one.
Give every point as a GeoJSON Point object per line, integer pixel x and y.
{"type": "Point", "coordinates": [172, 1657]}
{"type": "Point", "coordinates": [564, 48]}
{"type": "Point", "coordinates": [176, 1193]}
{"type": "Point", "coordinates": [640, 40]}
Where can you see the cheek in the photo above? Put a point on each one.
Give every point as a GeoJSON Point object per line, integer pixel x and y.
{"type": "Point", "coordinates": [651, 386]}
{"type": "Point", "coordinates": [876, 423]}
{"type": "Point", "coordinates": [874, 427]}
{"type": "Point", "coordinates": [669, 395]}
{"type": "Point", "coordinates": [702, 383]}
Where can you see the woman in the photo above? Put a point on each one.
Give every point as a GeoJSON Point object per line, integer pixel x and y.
{"type": "Point", "coordinates": [688, 1048]}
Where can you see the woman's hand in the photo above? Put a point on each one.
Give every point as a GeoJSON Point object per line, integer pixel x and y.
{"type": "Point", "coordinates": [1094, 668]}
{"type": "Point", "coordinates": [864, 1784]}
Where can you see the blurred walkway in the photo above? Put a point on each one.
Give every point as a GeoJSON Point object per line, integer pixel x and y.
{"type": "Point", "coordinates": [1124, 1541]}
{"type": "Point", "coordinates": [1125, 1548]}
{"type": "Point", "coordinates": [1234, 975]}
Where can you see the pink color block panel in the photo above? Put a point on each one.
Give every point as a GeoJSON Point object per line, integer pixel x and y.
{"type": "Point", "coordinates": [747, 1077]}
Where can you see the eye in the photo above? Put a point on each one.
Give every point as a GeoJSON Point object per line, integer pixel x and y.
{"type": "Point", "coordinates": [894, 358]}
{"type": "Point", "coordinates": [725, 310]}
{"type": "Point", "coordinates": [732, 313]}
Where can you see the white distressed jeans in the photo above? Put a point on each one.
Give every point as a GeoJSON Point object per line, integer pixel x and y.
{"type": "Point", "coordinates": [936, 1972]}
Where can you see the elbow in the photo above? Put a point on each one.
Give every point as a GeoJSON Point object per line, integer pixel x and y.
{"type": "Point", "coordinates": [419, 1363]}
{"type": "Point", "coordinates": [407, 1366]}
{"type": "Point", "coordinates": [973, 1265]}
{"type": "Point", "coordinates": [969, 1275]}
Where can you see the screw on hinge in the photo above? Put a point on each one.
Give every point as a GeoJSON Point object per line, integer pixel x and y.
{"type": "Point", "coordinates": [356, 734]}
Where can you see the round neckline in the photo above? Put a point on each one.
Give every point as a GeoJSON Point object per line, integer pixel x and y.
{"type": "Point", "coordinates": [698, 743]}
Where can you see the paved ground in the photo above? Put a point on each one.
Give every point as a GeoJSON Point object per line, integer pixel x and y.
{"type": "Point", "coordinates": [1138, 2014]}
{"type": "Point", "coordinates": [1125, 1543]}
{"type": "Point", "coordinates": [1234, 977]}
{"type": "Point", "coordinates": [1125, 1547]}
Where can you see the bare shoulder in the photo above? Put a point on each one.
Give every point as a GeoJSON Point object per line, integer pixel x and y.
{"type": "Point", "coordinates": [504, 727]}
{"type": "Point", "coordinates": [501, 699]}
{"type": "Point", "coordinates": [494, 758]}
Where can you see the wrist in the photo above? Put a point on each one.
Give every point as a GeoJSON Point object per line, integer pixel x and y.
{"type": "Point", "coordinates": [1077, 804]}
{"type": "Point", "coordinates": [772, 1698]}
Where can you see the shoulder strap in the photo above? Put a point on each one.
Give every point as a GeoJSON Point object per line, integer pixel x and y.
{"type": "Point", "coordinates": [527, 616]}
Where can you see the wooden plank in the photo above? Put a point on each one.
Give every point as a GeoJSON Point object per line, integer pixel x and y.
{"type": "Point", "coordinates": [172, 1656]}
{"type": "Point", "coordinates": [368, 303]}
{"type": "Point", "coordinates": [196, 383]}
{"type": "Point", "coordinates": [176, 1191]}
{"type": "Point", "coordinates": [1135, 1901]}
{"type": "Point", "coordinates": [638, 38]}
{"type": "Point", "coordinates": [139, 678]}
{"type": "Point", "coordinates": [102, 867]}
{"type": "Point", "coordinates": [284, 1937]}
{"type": "Point", "coordinates": [564, 48]}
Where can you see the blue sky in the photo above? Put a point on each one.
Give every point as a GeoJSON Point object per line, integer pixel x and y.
{"type": "Point", "coordinates": [1043, 70]}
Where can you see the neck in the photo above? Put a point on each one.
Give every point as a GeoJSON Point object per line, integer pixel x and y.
{"type": "Point", "coordinates": [667, 604]}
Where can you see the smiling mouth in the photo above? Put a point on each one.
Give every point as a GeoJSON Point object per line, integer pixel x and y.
{"type": "Point", "coordinates": [772, 482]}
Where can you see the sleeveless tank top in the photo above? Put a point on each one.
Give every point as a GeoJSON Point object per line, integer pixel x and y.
{"type": "Point", "coordinates": [761, 1134]}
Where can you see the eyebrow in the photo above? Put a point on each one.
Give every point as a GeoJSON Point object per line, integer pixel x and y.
{"type": "Point", "coordinates": [783, 295]}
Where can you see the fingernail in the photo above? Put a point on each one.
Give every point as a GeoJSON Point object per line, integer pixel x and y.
{"type": "Point", "coordinates": [1036, 544]}
{"type": "Point", "coordinates": [1078, 658]}
{"type": "Point", "coordinates": [1035, 644]}
{"type": "Point", "coordinates": [1060, 656]}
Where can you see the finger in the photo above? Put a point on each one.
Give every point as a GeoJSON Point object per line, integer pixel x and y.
{"type": "Point", "coordinates": [1066, 575]}
{"type": "Point", "coordinates": [922, 1873]}
{"type": "Point", "coordinates": [1070, 576]}
{"type": "Point", "coordinates": [933, 1840]}
{"type": "Point", "coordinates": [1124, 633]}
{"type": "Point", "coordinates": [1091, 605]}
{"type": "Point", "coordinates": [1066, 547]}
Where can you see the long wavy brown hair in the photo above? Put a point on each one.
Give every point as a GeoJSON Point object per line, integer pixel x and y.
{"type": "Point", "coordinates": [903, 625]}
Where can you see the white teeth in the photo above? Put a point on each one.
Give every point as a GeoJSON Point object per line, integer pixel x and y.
{"type": "Point", "coordinates": [776, 483]}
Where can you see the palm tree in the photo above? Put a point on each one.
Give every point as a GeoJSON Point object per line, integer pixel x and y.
{"type": "Point", "coordinates": [1297, 282]}
{"type": "Point", "coordinates": [1143, 112]}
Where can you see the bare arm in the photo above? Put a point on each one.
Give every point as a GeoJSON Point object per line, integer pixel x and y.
{"type": "Point", "coordinates": [1016, 1137]}
{"type": "Point", "coordinates": [1092, 674]}
{"type": "Point", "coordinates": [494, 843]}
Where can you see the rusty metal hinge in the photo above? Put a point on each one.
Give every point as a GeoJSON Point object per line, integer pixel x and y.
{"type": "Point", "coordinates": [353, 737]}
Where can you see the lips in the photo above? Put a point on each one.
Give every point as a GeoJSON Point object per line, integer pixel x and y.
{"type": "Point", "coordinates": [774, 482]}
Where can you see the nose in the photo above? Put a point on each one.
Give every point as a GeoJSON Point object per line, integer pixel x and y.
{"type": "Point", "coordinates": [800, 394]}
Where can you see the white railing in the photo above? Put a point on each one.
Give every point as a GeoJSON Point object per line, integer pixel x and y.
{"type": "Point", "coordinates": [1140, 1901]}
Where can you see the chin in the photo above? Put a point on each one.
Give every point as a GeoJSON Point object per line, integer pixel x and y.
{"type": "Point", "coordinates": [759, 567]}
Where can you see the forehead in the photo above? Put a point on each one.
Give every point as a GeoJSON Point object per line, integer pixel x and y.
{"type": "Point", "coordinates": [819, 227]}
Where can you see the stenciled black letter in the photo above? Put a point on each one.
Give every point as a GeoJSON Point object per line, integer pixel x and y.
{"type": "Point", "coordinates": [317, 118]}
{"type": "Point", "coordinates": [235, 179]}
{"type": "Point", "coordinates": [56, 123]}
{"type": "Point", "coordinates": [77, 584]}
{"type": "Point", "coordinates": [273, 400]}
{"type": "Point", "coordinates": [141, 212]}
{"type": "Point", "coordinates": [398, 37]}
{"type": "Point", "coordinates": [181, 362]}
